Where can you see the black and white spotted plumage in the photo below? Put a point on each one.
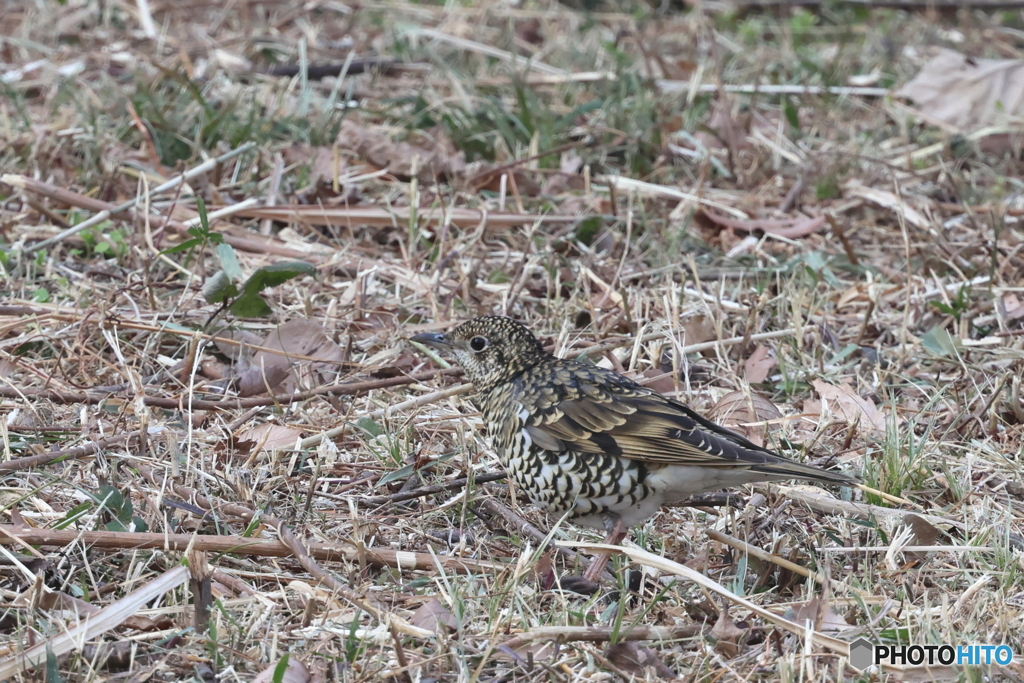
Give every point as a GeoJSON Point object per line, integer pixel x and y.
{"type": "Point", "coordinates": [579, 438]}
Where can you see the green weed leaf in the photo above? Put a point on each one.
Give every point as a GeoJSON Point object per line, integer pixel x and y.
{"type": "Point", "coordinates": [219, 287]}
{"type": "Point", "coordinates": [939, 341]}
{"type": "Point", "coordinates": [229, 261]}
{"type": "Point", "coordinates": [273, 275]}
{"type": "Point", "coordinates": [250, 305]}
{"type": "Point", "coordinates": [184, 246]}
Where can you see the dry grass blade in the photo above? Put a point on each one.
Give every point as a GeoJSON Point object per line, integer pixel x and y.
{"type": "Point", "coordinates": [775, 559]}
{"type": "Point", "coordinates": [379, 216]}
{"type": "Point", "coordinates": [107, 213]}
{"type": "Point", "coordinates": [668, 566]}
{"type": "Point", "coordinates": [97, 624]}
{"type": "Point", "coordinates": [832, 506]}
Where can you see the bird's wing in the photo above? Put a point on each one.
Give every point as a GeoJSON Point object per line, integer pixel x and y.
{"type": "Point", "coordinates": [611, 414]}
{"type": "Point", "coordinates": [639, 426]}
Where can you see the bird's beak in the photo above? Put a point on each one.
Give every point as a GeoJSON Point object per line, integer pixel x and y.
{"type": "Point", "coordinates": [438, 341]}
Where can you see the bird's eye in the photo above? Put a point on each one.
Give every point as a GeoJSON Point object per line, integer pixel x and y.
{"type": "Point", "coordinates": [478, 343]}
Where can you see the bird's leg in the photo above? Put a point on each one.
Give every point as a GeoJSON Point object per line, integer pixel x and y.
{"type": "Point", "coordinates": [616, 533]}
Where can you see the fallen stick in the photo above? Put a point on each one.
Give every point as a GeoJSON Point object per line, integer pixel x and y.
{"type": "Point", "coordinates": [180, 402]}
{"type": "Point", "coordinates": [240, 545]}
{"type": "Point", "coordinates": [257, 244]}
{"type": "Point", "coordinates": [601, 634]}
{"type": "Point", "coordinates": [66, 454]}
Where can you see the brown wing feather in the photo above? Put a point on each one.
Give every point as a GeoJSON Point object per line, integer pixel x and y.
{"type": "Point", "coordinates": [629, 420]}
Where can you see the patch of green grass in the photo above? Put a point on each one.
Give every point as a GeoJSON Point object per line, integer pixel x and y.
{"type": "Point", "coordinates": [900, 463]}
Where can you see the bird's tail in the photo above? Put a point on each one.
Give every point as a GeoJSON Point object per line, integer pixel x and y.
{"type": "Point", "coordinates": [788, 469]}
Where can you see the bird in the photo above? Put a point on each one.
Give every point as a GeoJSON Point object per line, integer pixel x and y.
{"type": "Point", "coordinates": [590, 442]}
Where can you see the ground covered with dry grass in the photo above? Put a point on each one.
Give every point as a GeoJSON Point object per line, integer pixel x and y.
{"type": "Point", "coordinates": [218, 376]}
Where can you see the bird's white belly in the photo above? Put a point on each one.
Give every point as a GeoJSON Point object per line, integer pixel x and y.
{"type": "Point", "coordinates": [678, 482]}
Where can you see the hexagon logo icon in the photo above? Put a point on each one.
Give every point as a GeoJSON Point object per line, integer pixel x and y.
{"type": "Point", "coordinates": [862, 653]}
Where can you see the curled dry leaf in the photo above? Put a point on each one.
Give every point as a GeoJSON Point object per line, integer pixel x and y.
{"type": "Point", "coordinates": [38, 596]}
{"type": "Point", "coordinates": [820, 614]}
{"type": "Point", "coordinates": [697, 330]}
{"type": "Point", "coordinates": [739, 411]}
{"type": "Point", "coordinates": [887, 200]}
{"type": "Point", "coordinates": [637, 659]}
{"type": "Point", "coordinates": [923, 533]}
{"type": "Point", "coordinates": [728, 636]}
{"type": "Point", "coordinates": [544, 571]}
{"type": "Point", "coordinates": [967, 92]}
{"type": "Point", "coordinates": [792, 228]}
{"type": "Point", "coordinates": [760, 364]}
{"type": "Point", "coordinates": [295, 672]}
{"type": "Point", "coordinates": [846, 405]}
{"type": "Point", "coordinates": [277, 437]}
{"type": "Point", "coordinates": [236, 352]}
{"type": "Point", "coordinates": [298, 338]}
{"type": "Point", "coordinates": [433, 616]}
{"type": "Point", "coordinates": [261, 380]}
{"type": "Point", "coordinates": [211, 368]}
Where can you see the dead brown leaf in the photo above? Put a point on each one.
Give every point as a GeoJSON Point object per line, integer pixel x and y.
{"type": "Point", "coordinates": [277, 437]}
{"type": "Point", "coordinates": [889, 200]}
{"type": "Point", "coordinates": [526, 653]}
{"type": "Point", "coordinates": [697, 330]}
{"type": "Point", "coordinates": [38, 596]}
{"type": "Point", "coordinates": [295, 672]}
{"type": "Point", "coordinates": [261, 380]}
{"type": "Point", "coordinates": [738, 411]}
{"type": "Point", "coordinates": [699, 561]}
{"type": "Point", "coordinates": [1014, 307]}
{"type": "Point", "coordinates": [924, 533]}
{"type": "Point", "coordinates": [637, 659]}
{"type": "Point", "coordinates": [433, 616]}
{"type": "Point", "coordinates": [757, 368]}
{"type": "Point", "coordinates": [728, 636]}
{"type": "Point", "coordinates": [792, 228]}
{"type": "Point", "coordinates": [236, 352]}
{"type": "Point", "coordinates": [822, 615]}
{"type": "Point", "coordinates": [302, 338]}
{"type": "Point", "coordinates": [658, 380]}
{"type": "Point", "coordinates": [544, 570]}
{"type": "Point", "coordinates": [968, 92]}
{"type": "Point", "coordinates": [324, 164]}
{"type": "Point", "coordinates": [846, 405]}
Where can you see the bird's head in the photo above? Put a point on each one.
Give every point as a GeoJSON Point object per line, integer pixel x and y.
{"type": "Point", "coordinates": [490, 350]}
